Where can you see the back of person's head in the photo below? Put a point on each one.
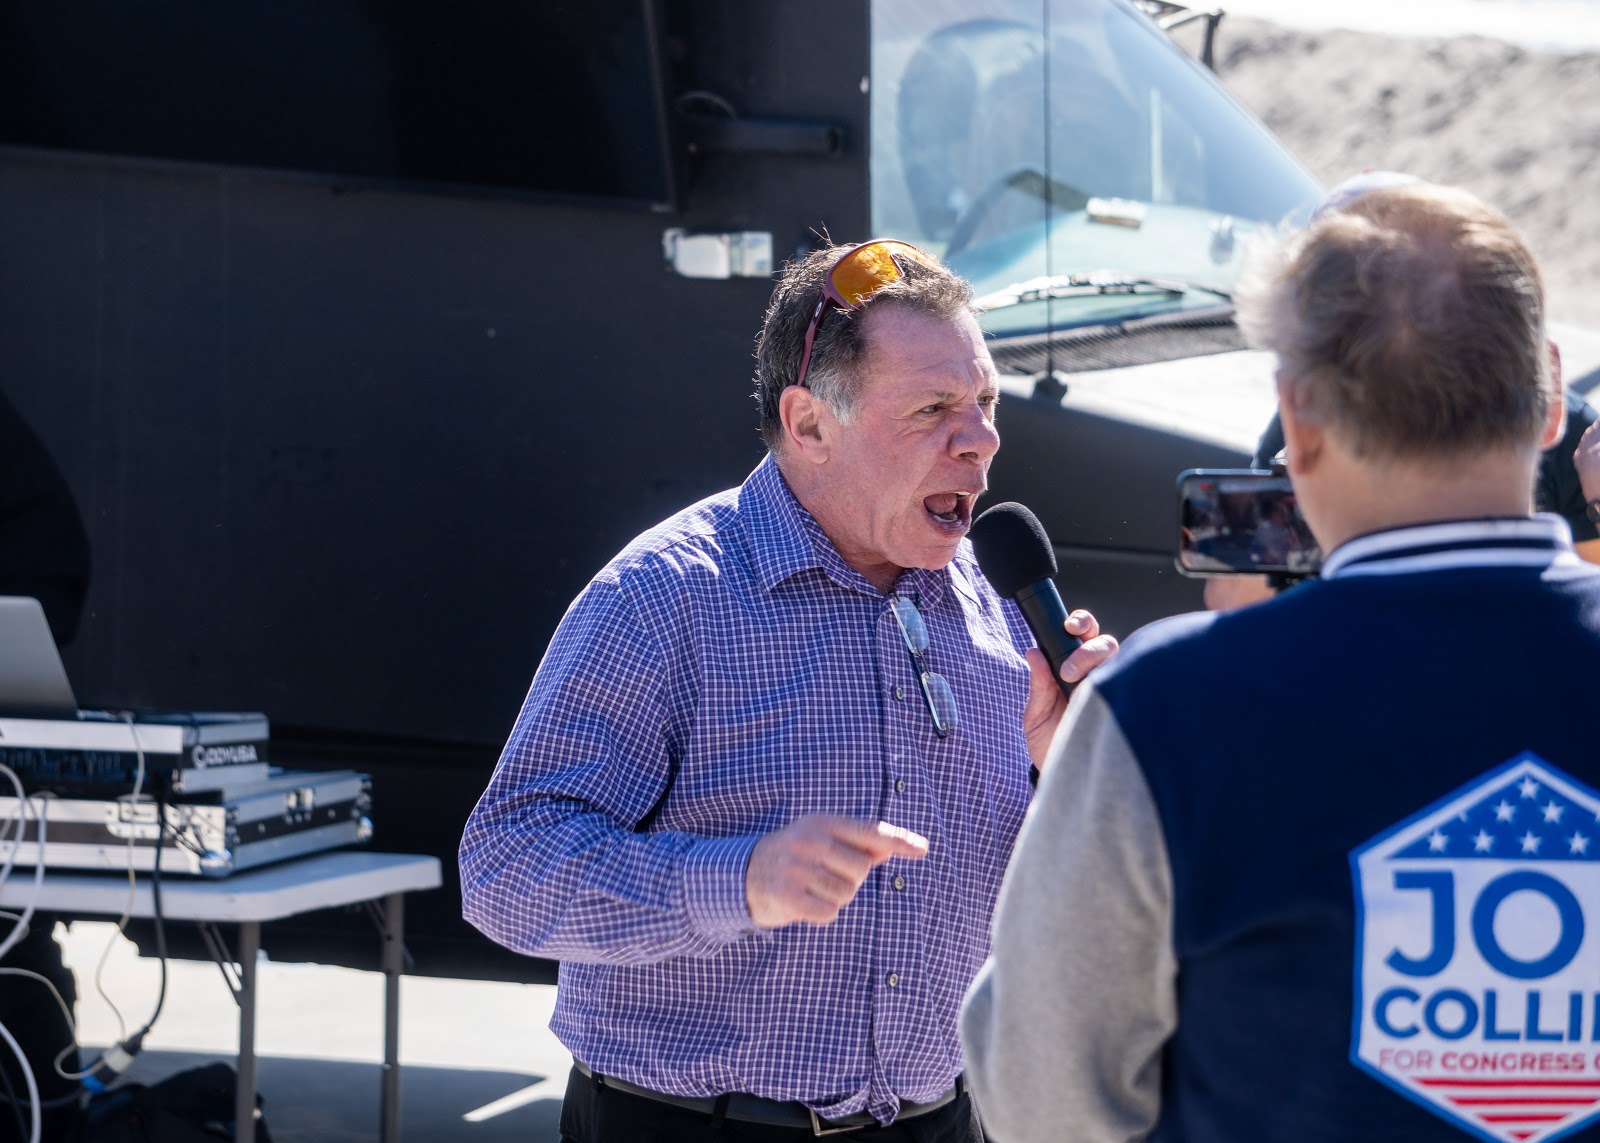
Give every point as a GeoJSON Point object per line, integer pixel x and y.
{"type": "Point", "coordinates": [1344, 193]}
{"type": "Point", "coordinates": [1410, 318]}
{"type": "Point", "coordinates": [835, 373]}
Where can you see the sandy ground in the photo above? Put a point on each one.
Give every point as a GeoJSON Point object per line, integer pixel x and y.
{"type": "Point", "coordinates": [1517, 127]}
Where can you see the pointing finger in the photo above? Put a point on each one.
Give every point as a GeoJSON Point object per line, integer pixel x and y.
{"type": "Point", "coordinates": [907, 842]}
{"type": "Point", "coordinates": [880, 841]}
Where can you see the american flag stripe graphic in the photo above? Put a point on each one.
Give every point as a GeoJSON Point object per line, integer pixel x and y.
{"type": "Point", "coordinates": [1524, 1109]}
{"type": "Point", "coordinates": [1478, 957]}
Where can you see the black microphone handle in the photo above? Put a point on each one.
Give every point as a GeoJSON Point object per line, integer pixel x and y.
{"type": "Point", "coordinates": [1042, 608]}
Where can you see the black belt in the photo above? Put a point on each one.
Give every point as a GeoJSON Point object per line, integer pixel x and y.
{"type": "Point", "coordinates": [770, 1112]}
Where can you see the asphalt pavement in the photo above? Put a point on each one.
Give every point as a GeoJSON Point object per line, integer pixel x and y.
{"type": "Point", "coordinates": [478, 1062]}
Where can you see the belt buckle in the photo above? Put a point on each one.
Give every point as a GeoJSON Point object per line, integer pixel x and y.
{"type": "Point", "coordinates": [819, 1130]}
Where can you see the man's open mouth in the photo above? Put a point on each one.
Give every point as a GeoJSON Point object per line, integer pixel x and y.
{"type": "Point", "coordinates": [950, 509]}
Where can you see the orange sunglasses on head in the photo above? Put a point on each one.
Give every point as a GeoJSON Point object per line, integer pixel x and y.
{"type": "Point", "coordinates": [859, 273]}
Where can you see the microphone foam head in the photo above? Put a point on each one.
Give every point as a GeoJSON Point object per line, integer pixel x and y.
{"type": "Point", "coordinates": [1012, 548]}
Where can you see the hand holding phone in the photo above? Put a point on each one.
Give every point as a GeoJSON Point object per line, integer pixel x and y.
{"type": "Point", "coordinates": [1241, 521]}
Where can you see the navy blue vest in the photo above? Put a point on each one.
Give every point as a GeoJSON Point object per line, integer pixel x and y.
{"type": "Point", "coordinates": [1278, 739]}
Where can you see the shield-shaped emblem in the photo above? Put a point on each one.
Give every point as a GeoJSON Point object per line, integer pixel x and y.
{"type": "Point", "coordinates": [1477, 981]}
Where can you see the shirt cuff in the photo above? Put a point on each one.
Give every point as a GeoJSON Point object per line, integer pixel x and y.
{"type": "Point", "coordinates": [713, 887]}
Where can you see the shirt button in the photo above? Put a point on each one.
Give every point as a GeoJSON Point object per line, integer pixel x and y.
{"type": "Point", "coordinates": [899, 882]}
{"type": "Point", "coordinates": [894, 980]}
{"type": "Point", "coordinates": [900, 694]}
{"type": "Point", "coordinates": [899, 785]}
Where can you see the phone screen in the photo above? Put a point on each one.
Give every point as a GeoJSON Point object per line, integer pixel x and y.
{"type": "Point", "coordinates": [1242, 521]}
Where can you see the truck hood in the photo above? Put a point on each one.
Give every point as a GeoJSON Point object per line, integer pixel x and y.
{"type": "Point", "coordinates": [1223, 398]}
{"type": "Point", "coordinates": [1228, 398]}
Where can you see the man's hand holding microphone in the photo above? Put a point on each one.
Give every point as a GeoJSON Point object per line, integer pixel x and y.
{"type": "Point", "coordinates": [1019, 561]}
{"type": "Point", "coordinates": [812, 868]}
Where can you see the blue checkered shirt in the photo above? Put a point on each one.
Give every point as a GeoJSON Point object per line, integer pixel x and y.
{"type": "Point", "coordinates": [726, 674]}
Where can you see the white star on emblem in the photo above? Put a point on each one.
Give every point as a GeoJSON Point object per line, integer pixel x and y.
{"type": "Point", "coordinates": [1482, 843]}
{"type": "Point", "coordinates": [1437, 841]}
{"type": "Point", "coordinates": [1552, 812]}
{"type": "Point", "coordinates": [1530, 844]}
{"type": "Point", "coordinates": [1528, 787]}
{"type": "Point", "coordinates": [1503, 812]}
{"type": "Point", "coordinates": [1578, 843]}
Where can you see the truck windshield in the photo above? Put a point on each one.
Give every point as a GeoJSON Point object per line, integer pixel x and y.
{"type": "Point", "coordinates": [1062, 154]}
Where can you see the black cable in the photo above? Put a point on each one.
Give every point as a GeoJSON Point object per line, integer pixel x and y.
{"type": "Point", "coordinates": [160, 783]}
{"type": "Point", "coordinates": [155, 896]}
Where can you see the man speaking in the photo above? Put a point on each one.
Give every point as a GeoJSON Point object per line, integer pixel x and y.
{"type": "Point", "coordinates": [762, 791]}
{"type": "Point", "coordinates": [1329, 868]}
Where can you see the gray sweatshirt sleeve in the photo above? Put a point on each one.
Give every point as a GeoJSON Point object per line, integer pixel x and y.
{"type": "Point", "coordinates": [1064, 1027]}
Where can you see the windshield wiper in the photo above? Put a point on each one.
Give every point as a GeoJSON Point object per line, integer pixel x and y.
{"type": "Point", "coordinates": [1096, 282]}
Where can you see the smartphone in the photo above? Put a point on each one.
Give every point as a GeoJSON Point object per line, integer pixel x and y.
{"type": "Point", "coordinates": [1241, 521]}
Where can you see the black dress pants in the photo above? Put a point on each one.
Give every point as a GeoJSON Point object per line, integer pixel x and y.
{"type": "Point", "coordinates": [594, 1113]}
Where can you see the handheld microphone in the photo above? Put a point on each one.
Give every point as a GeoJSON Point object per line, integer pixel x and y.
{"type": "Point", "coordinates": [1016, 557]}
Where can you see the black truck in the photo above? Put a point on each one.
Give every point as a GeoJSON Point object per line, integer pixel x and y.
{"type": "Point", "coordinates": [366, 333]}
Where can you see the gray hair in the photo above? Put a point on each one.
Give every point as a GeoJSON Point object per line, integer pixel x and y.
{"type": "Point", "coordinates": [1412, 318]}
{"type": "Point", "coordinates": [835, 374]}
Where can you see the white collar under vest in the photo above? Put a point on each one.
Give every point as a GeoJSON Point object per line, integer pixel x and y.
{"type": "Point", "coordinates": [1506, 541]}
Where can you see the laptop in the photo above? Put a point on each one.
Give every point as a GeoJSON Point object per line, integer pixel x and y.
{"type": "Point", "coordinates": [33, 682]}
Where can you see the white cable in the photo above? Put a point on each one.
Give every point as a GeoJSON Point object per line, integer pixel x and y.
{"type": "Point", "coordinates": [5, 835]}
{"type": "Point", "coordinates": [61, 1003]}
{"type": "Point", "coordinates": [127, 910]}
{"type": "Point", "coordinates": [21, 928]}
{"type": "Point", "coordinates": [27, 1075]}
{"type": "Point", "coordinates": [18, 931]}
{"type": "Point", "coordinates": [21, 818]}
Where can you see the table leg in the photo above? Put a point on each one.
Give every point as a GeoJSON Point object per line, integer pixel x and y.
{"type": "Point", "coordinates": [393, 964]}
{"type": "Point", "coordinates": [244, 1101]}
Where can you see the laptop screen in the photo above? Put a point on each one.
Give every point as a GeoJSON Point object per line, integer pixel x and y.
{"type": "Point", "coordinates": [33, 683]}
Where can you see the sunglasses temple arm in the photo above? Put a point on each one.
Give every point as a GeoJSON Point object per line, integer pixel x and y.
{"type": "Point", "coordinates": [811, 336]}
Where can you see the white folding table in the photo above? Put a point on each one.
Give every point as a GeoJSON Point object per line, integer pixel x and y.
{"type": "Point", "coordinates": [270, 893]}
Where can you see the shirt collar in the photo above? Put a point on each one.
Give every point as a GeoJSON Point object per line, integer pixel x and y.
{"type": "Point", "coordinates": [1507, 541]}
{"type": "Point", "coordinates": [784, 539]}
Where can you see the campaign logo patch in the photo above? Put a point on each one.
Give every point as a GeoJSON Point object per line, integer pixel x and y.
{"type": "Point", "coordinates": [1477, 983]}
